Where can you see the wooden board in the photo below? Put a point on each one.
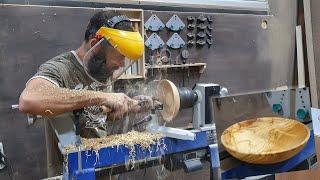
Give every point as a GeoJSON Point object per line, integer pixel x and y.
{"type": "Point", "coordinates": [300, 58]}
{"type": "Point", "coordinates": [265, 140]}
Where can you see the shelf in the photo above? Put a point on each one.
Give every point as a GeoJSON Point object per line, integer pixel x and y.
{"type": "Point", "coordinates": [202, 66]}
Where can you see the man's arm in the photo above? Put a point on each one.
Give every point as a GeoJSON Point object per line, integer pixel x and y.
{"type": "Point", "coordinates": [41, 97]}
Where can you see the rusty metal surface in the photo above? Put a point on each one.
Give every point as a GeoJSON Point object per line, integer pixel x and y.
{"type": "Point", "coordinates": [245, 58]}
{"type": "Point", "coordinates": [29, 36]}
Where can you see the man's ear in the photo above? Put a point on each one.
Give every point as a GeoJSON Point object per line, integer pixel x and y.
{"type": "Point", "coordinates": [93, 41]}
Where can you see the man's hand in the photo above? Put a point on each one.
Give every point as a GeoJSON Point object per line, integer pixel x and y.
{"type": "Point", "coordinates": [120, 104]}
{"type": "Point", "coordinates": [144, 103]}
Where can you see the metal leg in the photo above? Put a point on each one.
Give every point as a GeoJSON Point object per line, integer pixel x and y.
{"type": "Point", "coordinates": [215, 174]}
{"type": "Point", "coordinates": [81, 174]}
{"type": "Point", "coordinates": [215, 171]}
{"type": "Point", "coordinates": [53, 162]}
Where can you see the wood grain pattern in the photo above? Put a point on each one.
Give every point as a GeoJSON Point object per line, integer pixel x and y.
{"type": "Point", "coordinates": [312, 174]}
{"type": "Point", "coordinates": [168, 94]}
{"type": "Point", "coordinates": [265, 140]}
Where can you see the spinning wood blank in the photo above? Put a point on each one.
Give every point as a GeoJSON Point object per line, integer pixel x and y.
{"type": "Point", "coordinates": [168, 94]}
{"type": "Point", "coordinates": [265, 140]}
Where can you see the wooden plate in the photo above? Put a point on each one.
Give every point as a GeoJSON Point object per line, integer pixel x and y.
{"type": "Point", "coordinates": [168, 94]}
{"type": "Point", "coordinates": [265, 140]}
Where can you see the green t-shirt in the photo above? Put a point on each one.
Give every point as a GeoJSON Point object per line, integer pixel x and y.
{"type": "Point", "coordinates": [66, 71]}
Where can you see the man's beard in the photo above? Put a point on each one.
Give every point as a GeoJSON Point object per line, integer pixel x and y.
{"type": "Point", "coordinates": [98, 69]}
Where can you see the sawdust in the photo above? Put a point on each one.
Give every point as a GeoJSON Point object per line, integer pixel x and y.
{"type": "Point", "coordinates": [129, 140]}
{"type": "Point", "coordinates": [144, 139]}
{"type": "Point", "coordinates": [55, 100]}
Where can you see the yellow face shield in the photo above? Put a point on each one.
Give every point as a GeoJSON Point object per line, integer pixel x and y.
{"type": "Point", "coordinates": [129, 44]}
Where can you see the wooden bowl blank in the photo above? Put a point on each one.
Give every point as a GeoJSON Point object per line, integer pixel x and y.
{"type": "Point", "coordinates": [168, 94]}
{"type": "Point", "coordinates": [265, 140]}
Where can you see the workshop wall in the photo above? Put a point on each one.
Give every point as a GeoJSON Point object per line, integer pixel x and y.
{"type": "Point", "coordinates": [244, 57]}
{"type": "Point", "coordinates": [30, 36]}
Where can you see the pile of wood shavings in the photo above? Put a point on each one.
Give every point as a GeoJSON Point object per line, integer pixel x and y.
{"type": "Point", "coordinates": [144, 139]}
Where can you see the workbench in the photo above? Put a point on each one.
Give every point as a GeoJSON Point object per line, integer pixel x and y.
{"type": "Point", "coordinates": [118, 156]}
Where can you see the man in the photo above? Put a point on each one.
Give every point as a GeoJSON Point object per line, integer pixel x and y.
{"type": "Point", "coordinates": [62, 85]}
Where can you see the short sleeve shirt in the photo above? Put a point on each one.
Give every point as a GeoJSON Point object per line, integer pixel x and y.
{"type": "Point", "coordinates": [66, 71]}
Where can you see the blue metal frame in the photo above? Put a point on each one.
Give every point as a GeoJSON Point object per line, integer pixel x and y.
{"type": "Point", "coordinates": [246, 170]}
{"type": "Point", "coordinates": [112, 156]}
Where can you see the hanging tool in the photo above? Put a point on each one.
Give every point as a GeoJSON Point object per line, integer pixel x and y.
{"type": "Point", "coordinates": [201, 18]}
{"type": "Point", "coordinates": [190, 43]}
{"type": "Point", "coordinates": [201, 34]}
{"type": "Point", "coordinates": [209, 34]}
{"type": "Point", "coordinates": [175, 23]}
{"type": "Point", "coordinates": [184, 55]}
{"type": "Point", "coordinates": [210, 42]}
{"type": "Point", "coordinates": [190, 35]}
{"type": "Point", "coordinates": [191, 26]}
{"type": "Point", "coordinates": [202, 27]}
{"type": "Point", "coordinates": [201, 43]}
{"type": "Point", "coordinates": [154, 24]}
{"type": "Point", "coordinates": [191, 19]}
{"type": "Point", "coordinates": [210, 19]}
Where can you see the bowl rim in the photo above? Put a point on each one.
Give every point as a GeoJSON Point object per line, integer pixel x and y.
{"type": "Point", "coordinates": [301, 144]}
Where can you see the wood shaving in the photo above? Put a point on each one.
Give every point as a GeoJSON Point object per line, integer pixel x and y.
{"type": "Point", "coordinates": [144, 139]}
{"type": "Point", "coordinates": [49, 112]}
